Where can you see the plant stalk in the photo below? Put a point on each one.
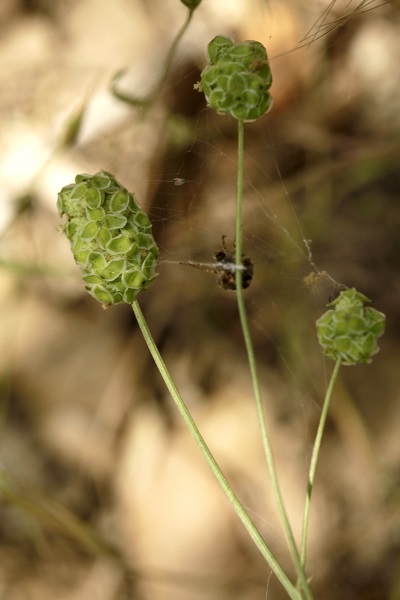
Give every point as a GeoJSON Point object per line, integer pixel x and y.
{"type": "Point", "coordinates": [148, 100]}
{"type": "Point", "coordinates": [216, 470]}
{"type": "Point", "coordinates": [254, 376]}
{"type": "Point", "coordinates": [314, 460]}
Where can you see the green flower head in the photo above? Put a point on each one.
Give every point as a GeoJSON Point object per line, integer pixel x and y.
{"type": "Point", "coordinates": [110, 237]}
{"type": "Point", "coordinates": [350, 330]}
{"type": "Point", "coordinates": [237, 79]}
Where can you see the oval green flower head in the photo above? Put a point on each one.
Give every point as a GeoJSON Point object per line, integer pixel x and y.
{"type": "Point", "coordinates": [110, 237]}
{"type": "Point", "coordinates": [237, 79]}
{"type": "Point", "coordinates": [350, 331]}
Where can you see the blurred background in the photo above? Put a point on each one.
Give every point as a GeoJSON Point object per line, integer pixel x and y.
{"type": "Point", "coordinates": [103, 492]}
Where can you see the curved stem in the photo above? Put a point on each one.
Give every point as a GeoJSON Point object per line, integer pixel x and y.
{"type": "Point", "coordinates": [171, 54]}
{"type": "Point", "coordinates": [148, 100]}
{"type": "Point", "coordinates": [254, 376]}
{"type": "Point", "coordinates": [191, 425]}
{"type": "Point", "coordinates": [314, 460]}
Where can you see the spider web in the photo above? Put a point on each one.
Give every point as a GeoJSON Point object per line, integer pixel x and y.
{"type": "Point", "coordinates": [195, 197]}
{"type": "Point", "coordinates": [288, 190]}
{"type": "Point", "coordinates": [290, 235]}
{"type": "Point", "coordinates": [274, 236]}
{"type": "Point", "coordinates": [296, 269]}
{"type": "Point", "coordinates": [181, 189]}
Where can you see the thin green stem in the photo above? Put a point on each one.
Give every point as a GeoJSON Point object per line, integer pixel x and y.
{"type": "Point", "coordinates": [239, 206]}
{"type": "Point", "coordinates": [254, 376]}
{"type": "Point", "coordinates": [314, 460]}
{"type": "Point", "coordinates": [171, 54]}
{"type": "Point", "coordinates": [216, 470]}
{"type": "Point", "coordinates": [148, 100]}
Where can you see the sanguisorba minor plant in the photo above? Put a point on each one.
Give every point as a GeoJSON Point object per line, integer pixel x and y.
{"type": "Point", "coordinates": [112, 242]}
{"type": "Point", "coordinates": [237, 82]}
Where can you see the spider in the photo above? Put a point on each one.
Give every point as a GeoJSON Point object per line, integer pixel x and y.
{"type": "Point", "coordinates": [225, 267]}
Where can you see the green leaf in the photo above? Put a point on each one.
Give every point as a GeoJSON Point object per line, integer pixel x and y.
{"type": "Point", "coordinates": [114, 268]}
{"type": "Point", "coordinates": [218, 47]}
{"type": "Point", "coordinates": [148, 265]}
{"type": "Point", "coordinates": [132, 279]}
{"type": "Point", "coordinates": [90, 231]}
{"type": "Point", "coordinates": [101, 294]}
{"type": "Point", "coordinates": [114, 222]}
{"type": "Point", "coordinates": [97, 262]}
{"type": "Point", "coordinates": [92, 279]}
{"type": "Point", "coordinates": [93, 198]}
{"type": "Point", "coordinates": [145, 241]}
{"type": "Point", "coordinates": [119, 245]}
{"type": "Point", "coordinates": [103, 237]}
{"type": "Point", "coordinates": [100, 181]}
{"type": "Point", "coordinates": [119, 201]}
{"type": "Point", "coordinates": [82, 177]}
{"type": "Point", "coordinates": [130, 295]}
{"type": "Point", "coordinates": [142, 221]}
{"type": "Point", "coordinates": [96, 214]}
{"type": "Point", "coordinates": [79, 191]}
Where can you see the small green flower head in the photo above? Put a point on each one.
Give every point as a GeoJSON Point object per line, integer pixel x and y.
{"type": "Point", "coordinates": [350, 330]}
{"type": "Point", "coordinates": [237, 79]}
{"type": "Point", "coordinates": [110, 236]}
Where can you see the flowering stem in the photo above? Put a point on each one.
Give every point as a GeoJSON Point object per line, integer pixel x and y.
{"type": "Point", "coordinates": [314, 460]}
{"type": "Point", "coordinates": [171, 54]}
{"type": "Point", "coordinates": [148, 100]}
{"type": "Point", "coordinates": [220, 477]}
{"type": "Point", "coordinates": [254, 376]}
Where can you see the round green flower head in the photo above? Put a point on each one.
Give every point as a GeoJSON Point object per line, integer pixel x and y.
{"type": "Point", "coordinates": [110, 236]}
{"type": "Point", "coordinates": [237, 79]}
{"type": "Point", "coordinates": [350, 330]}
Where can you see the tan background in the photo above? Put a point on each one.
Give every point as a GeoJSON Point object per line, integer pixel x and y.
{"type": "Point", "coordinates": [104, 495]}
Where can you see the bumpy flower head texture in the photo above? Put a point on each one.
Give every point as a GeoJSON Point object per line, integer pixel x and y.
{"type": "Point", "coordinates": [237, 79]}
{"type": "Point", "coordinates": [110, 236]}
{"type": "Point", "coordinates": [350, 330]}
